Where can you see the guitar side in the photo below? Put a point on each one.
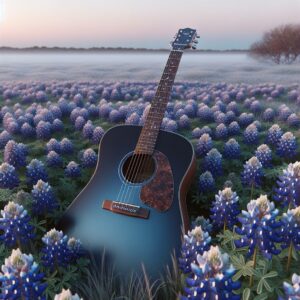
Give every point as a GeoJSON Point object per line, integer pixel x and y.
{"type": "Point", "coordinates": [131, 241]}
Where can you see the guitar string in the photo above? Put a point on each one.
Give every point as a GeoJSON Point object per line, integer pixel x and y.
{"type": "Point", "coordinates": [136, 158]}
{"type": "Point", "coordinates": [136, 163]}
{"type": "Point", "coordinates": [137, 173]}
{"type": "Point", "coordinates": [124, 184]}
{"type": "Point", "coordinates": [133, 177]}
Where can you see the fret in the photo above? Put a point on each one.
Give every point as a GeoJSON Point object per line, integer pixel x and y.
{"type": "Point", "coordinates": [148, 136]}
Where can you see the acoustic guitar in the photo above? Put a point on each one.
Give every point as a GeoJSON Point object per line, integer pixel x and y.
{"type": "Point", "coordinates": [134, 204]}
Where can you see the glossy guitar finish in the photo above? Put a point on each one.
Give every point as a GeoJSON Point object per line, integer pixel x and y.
{"type": "Point", "coordinates": [129, 240]}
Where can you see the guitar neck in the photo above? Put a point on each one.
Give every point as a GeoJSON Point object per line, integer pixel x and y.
{"type": "Point", "coordinates": [148, 136]}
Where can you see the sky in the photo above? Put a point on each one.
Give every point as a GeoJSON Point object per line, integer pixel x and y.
{"type": "Point", "coordinates": [222, 24]}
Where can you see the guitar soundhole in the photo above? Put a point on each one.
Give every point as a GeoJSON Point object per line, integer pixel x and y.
{"type": "Point", "coordinates": [138, 168]}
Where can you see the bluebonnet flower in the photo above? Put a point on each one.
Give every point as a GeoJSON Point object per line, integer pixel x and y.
{"type": "Point", "coordinates": [75, 249]}
{"type": "Point", "coordinates": [212, 277]}
{"type": "Point", "coordinates": [221, 131]}
{"type": "Point", "coordinates": [255, 106]}
{"type": "Point", "coordinates": [73, 170]}
{"type": "Point", "coordinates": [190, 110]}
{"type": "Point", "coordinates": [89, 158]}
{"type": "Point", "coordinates": [97, 135]}
{"type": "Point", "coordinates": [53, 145]}
{"type": "Point", "coordinates": [184, 122]}
{"type": "Point", "coordinates": [252, 173]}
{"type": "Point", "coordinates": [196, 133]}
{"type": "Point", "coordinates": [260, 229]}
{"type": "Point", "coordinates": [292, 291]}
{"type": "Point", "coordinates": [54, 159]}
{"type": "Point", "coordinates": [269, 115]}
{"type": "Point", "coordinates": [27, 130]}
{"type": "Point", "coordinates": [115, 116]}
{"type": "Point", "coordinates": [204, 223]}
{"type": "Point", "coordinates": [55, 252]}
{"type": "Point", "coordinates": [133, 119]}
{"type": "Point", "coordinates": [93, 110]}
{"type": "Point", "coordinates": [20, 278]}
{"type": "Point", "coordinates": [78, 100]}
{"type": "Point", "coordinates": [35, 171]}
{"type": "Point", "coordinates": [213, 162]}
{"type": "Point", "coordinates": [274, 134]}
{"type": "Point", "coordinates": [288, 190]}
{"type": "Point", "coordinates": [234, 128]}
{"type": "Point", "coordinates": [205, 113]}
{"type": "Point", "coordinates": [43, 130]}
{"type": "Point", "coordinates": [290, 230]}
{"type": "Point", "coordinates": [15, 226]}
{"type": "Point", "coordinates": [225, 209]}
{"type": "Point", "coordinates": [43, 198]}
{"type": "Point", "coordinates": [66, 295]}
{"type": "Point", "coordinates": [232, 149]}
{"type": "Point", "coordinates": [251, 135]}
{"type": "Point", "coordinates": [206, 129]}
{"type": "Point", "coordinates": [245, 119]}
{"type": "Point", "coordinates": [204, 145]}
{"type": "Point", "coordinates": [66, 146]}
{"type": "Point", "coordinates": [206, 182]}
{"type": "Point", "coordinates": [287, 145]}
{"type": "Point", "coordinates": [171, 125]}
{"type": "Point", "coordinates": [15, 154]}
{"type": "Point", "coordinates": [88, 130]}
{"type": "Point", "coordinates": [264, 155]}
{"type": "Point", "coordinates": [4, 138]}
{"type": "Point", "coordinates": [57, 125]}
{"type": "Point", "coordinates": [8, 176]}
{"type": "Point", "coordinates": [293, 120]}
{"type": "Point", "coordinates": [79, 123]}
{"type": "Point", "coordinates": [195, 242]}
{"type": "Point", "coordinates": [104, 110]}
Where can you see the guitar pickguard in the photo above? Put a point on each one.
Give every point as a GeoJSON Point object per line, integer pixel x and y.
{"type": "Point", "coordinates": [159, 192]}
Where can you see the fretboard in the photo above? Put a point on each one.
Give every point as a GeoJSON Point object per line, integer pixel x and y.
{"type": "Point", "coordinates": [148, 136]}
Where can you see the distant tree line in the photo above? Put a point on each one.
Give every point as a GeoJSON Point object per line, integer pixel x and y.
{"type": "Point", "coordinates": [281, 44]}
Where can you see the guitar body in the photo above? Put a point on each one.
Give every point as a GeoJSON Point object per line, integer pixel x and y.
{"type": "Point", "coordinates": [130, 240]}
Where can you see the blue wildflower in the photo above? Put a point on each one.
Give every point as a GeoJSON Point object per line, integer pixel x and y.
{"type": "Point", "coordinates": [195, 242]}
{"type": "Point", "coordinates": [53, 145]}
{"type": "Point", "coordinates": [66, 146]}
{"type": "Point", "coordinates": [232, 149]}
{"type": "Point", "coordinates": [73, 170]}
{"type": "Point", "coordinates": [4, 138]}
{"type": "Point", "coordinates": [264, 155]}
{"type": "Point", "coordinates": [288, 190]}
{"type": "Point", "coordinates": [292, 291]}
{"type": "Point", "coordinates": [20, 278]}
{"type": "Point", "coordinates": [43, 130]}
{"type": "Point", "coordinates": [97, 135]}
{"type": "Point", "coordinates": [212, 277]}
{"type": "Point", "coordinates": [287, 146]}
{"type": "Point", "coordinates": [89, 158]}
{"type": "Point", "coordinates": [213, 162]}
{"type": "Point", "coordinates": [15, 154]}
{"type": "Point", "coordinates": [15, 226]}
{"type": "Point", "coordinates": [35, 171]}
{"type": "Point", "coordinates": [43, 198]}
{"type": "Point", "coordinates": [206, 182]}
{"type": "Point", "coordinates": [260, 229]}
{"type": "Point", "coordinates": [274, 134]}
{"type": "Point", "coordinates": [203, 145]}
{"type": "Point", "coordinates": [251, 135]}
{"type": "Point", "coordinates": [8, 176]}
{"type": "Point", "coordinates": [221, 131]}
{"type": "Point", "coordinates": [252, 173]}
{"type": "Point", "coordinates": [88, 130]}
{"type": "Point", "coordinates": [225, 209]}
{"type": "Point", "coordinates": [234, 128]}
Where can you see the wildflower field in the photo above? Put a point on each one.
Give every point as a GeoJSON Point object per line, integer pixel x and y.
{"type": "Point", "coordinates": [244, 203]}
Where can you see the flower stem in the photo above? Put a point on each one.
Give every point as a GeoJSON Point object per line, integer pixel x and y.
{"type": "Point", "coordinates": [254, 266]}
{"type": "Point", "coordinates": [224, 226]}
{"type": "Point", "coordinates": [289, 257]}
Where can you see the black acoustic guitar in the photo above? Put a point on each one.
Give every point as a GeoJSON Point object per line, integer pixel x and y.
{"type": "Point", "coordinates": [134, 205]}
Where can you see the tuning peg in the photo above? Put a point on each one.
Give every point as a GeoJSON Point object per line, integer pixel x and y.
{"type": "Point", "coordinates": [193, 47]}
{"type": "Point", "coordinates": [198, 36]}
{"type": "Point", "coordinates": [195, 41]}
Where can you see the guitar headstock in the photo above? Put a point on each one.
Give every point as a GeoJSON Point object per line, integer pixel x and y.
{"type": "Point", "coordinates": [185, 39]}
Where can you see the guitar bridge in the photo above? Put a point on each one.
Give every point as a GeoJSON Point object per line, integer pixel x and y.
{"type": "Point", "coordinates": [126, 209]}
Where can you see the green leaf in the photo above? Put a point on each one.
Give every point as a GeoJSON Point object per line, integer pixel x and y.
{"type": "Point", "coordinates": [263, 296]}
{"type": "Point", "coordinates": [246, 294]}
